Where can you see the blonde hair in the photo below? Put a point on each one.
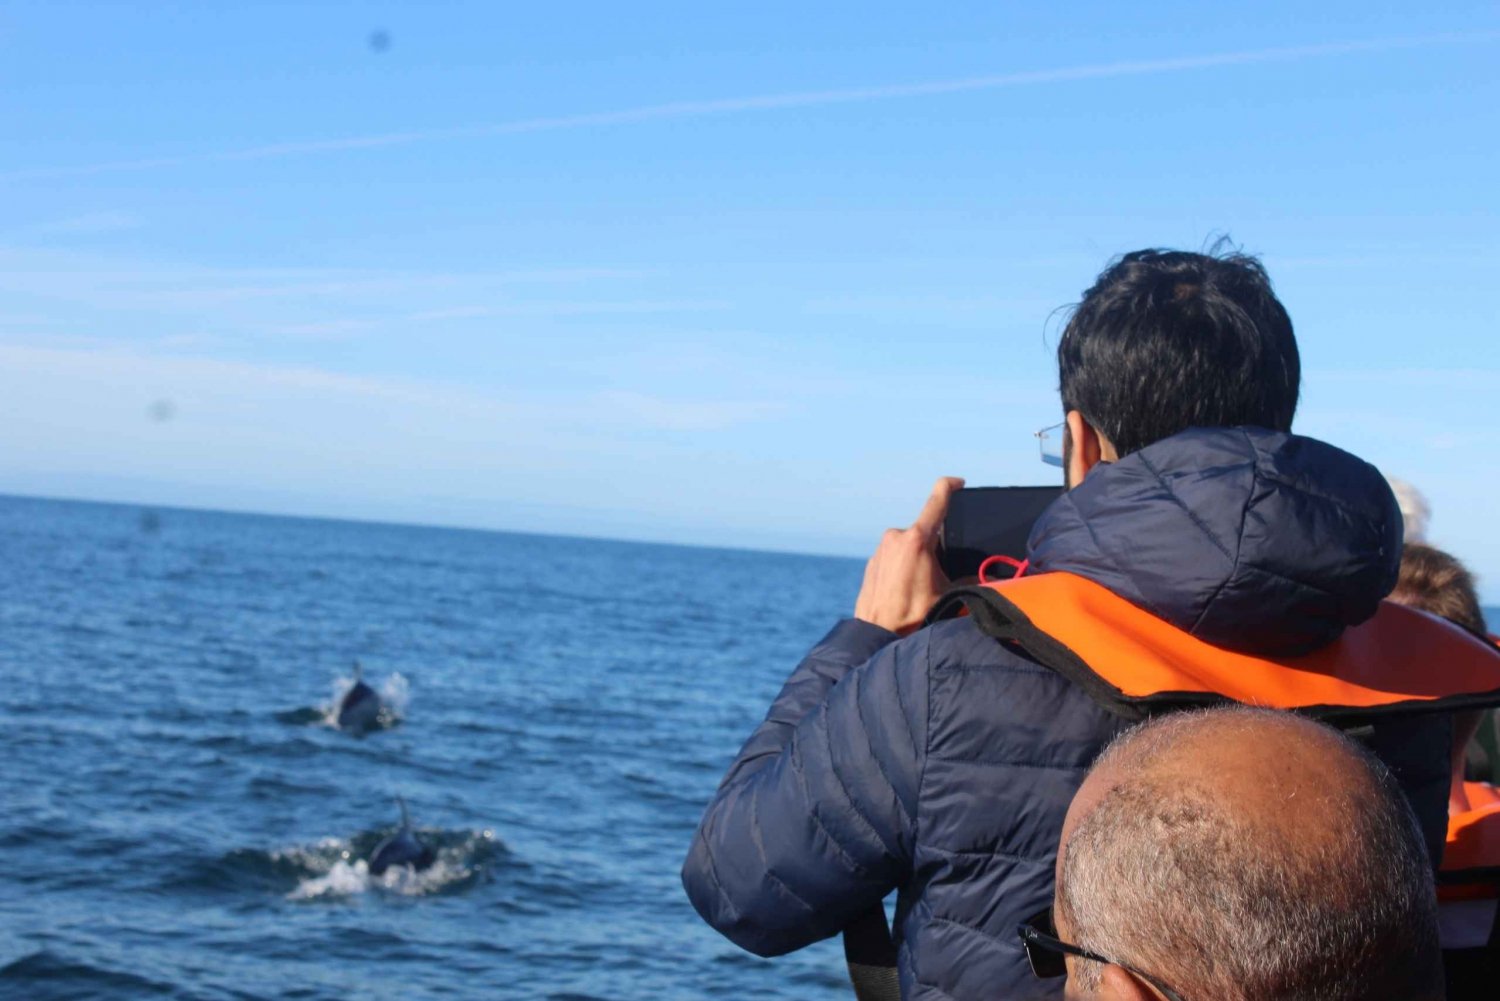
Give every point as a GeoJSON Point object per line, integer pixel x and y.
{"type": "Point", "coordinates": [1437, 582]}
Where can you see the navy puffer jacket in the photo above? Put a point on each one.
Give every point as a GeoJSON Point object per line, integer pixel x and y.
{"type": "Point", "coordinates": [941, 765]}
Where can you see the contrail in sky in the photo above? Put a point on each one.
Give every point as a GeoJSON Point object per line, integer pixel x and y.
{"type": "Point", "coordinates": [765, 102]}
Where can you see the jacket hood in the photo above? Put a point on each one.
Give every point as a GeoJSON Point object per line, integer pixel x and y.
{"type": "Point", "coordinates": [1256, 541]}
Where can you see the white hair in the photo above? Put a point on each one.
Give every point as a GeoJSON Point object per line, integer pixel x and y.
{"type": "Point", "coordinates": [1415, 511]}
{"type": "Point", "coordinates": [1166, 876]}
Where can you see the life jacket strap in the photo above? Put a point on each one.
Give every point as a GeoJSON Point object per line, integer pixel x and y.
{"type": "Point", "coordinates": [870, 953]}
{"type": "Point", "coordinates": [1136, 665]}
{"type": "Point", "coordinates": [1000, 619]}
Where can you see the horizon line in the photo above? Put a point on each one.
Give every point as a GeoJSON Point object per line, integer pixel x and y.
{"type": "Point", "coordinates": [144, 506]}
{"type": "Point", "coordinates": [7, 494]}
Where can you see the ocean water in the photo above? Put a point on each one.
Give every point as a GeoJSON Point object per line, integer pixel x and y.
{"type": "Point", "coordinates": [181, 821]}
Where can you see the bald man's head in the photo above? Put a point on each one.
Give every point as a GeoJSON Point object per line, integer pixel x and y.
{"type": "Point", "coordinates": [1242, 853]}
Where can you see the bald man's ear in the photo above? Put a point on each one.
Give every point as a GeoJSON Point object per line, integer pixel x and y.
{"type": "Point", "coordinates": [1118, 984]}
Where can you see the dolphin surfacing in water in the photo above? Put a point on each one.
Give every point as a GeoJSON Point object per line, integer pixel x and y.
{"type": "Point", "coordinates": [401, 848]}
{"type": "Point", "coordinates": [359, 709]}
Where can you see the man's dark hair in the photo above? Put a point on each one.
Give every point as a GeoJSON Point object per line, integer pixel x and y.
{"type": "Point", "coordinates": [1166, 340]}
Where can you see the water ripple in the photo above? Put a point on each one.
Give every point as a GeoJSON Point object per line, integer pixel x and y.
{"type": "Point", "coordinates": [182, 820]}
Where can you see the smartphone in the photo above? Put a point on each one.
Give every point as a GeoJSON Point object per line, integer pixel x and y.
{"type": "Point", "coordinates": [989, 521]}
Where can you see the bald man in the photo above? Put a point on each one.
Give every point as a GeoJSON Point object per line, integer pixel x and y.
{"type": "Point", "coordinates": [1240, 854]}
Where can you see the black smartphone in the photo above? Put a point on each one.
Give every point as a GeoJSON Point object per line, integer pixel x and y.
{"type": "Point", "coordinates": [989, 521]}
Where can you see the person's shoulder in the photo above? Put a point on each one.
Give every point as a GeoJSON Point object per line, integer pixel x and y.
{"type": "Point", "coordinates": [983, 692]}
{"type": "Point", "coordinates": [958, 644]}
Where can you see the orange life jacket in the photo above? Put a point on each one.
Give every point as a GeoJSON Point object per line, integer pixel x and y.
{"type": "Point", "coordinates": [1481, 794]}
{"type": "Point", "coordinates": [1468, 886]}
{"type": "Point", "coordinates": [1399, 661]}
{"type": "Point", "coordinates": [1135, 664]}
{"type": "Point", "coordinates": [1471, 859]}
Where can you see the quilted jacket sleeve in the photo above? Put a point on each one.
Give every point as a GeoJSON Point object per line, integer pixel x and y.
{"type": "Point", "coordinates": [814, 822]}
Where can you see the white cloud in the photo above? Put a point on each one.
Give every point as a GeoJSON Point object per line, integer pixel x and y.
{"type": "Point", "coordinates": [132, 300]}
{"type": "Point", "coordinates": [82, 409]}
{"type": "Point", "coordinates": [87, 224]}
{"type": "Point", "coordinates": [655, 413]}
{"type": "Point", "coordinates": [570, 308]}
{"type": "Point", "coordinates": [324, 329]}
{"type": "Point", "coordinates": [768, 102]}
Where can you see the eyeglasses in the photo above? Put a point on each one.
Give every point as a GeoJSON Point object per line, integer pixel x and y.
{"type": "Point", "coordinates": [1051, 440]}
{"type": "Point", "coordinates": [1045, 952]}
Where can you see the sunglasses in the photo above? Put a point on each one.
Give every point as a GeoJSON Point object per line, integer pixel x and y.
{"type": "Point", "coordinates": [1045, 952]}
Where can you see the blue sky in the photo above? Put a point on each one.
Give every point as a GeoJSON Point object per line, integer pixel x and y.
{"type": "Point", "coordinates": [747, 275]}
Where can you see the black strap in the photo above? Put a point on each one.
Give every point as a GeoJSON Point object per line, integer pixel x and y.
{"type": "Point", "coordinates": [998, 617]}
{"type": "Point", "coordinates": [871, 954]}
{"type": "Point", "coordinates": [1471, 973]}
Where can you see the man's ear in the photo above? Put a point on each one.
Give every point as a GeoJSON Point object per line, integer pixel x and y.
{"type": "Point", "coordinates": [1085, 448]}
{"type": "Point", "coordinates": [1118, 984]}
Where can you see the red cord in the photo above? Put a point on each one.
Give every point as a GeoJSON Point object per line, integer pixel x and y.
{"type": "Point", "coordinates": [1021, 566]}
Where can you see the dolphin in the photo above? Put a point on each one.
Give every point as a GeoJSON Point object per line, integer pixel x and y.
{"type": "Point", "coordinates": [359, 709]}
{"type": "Point", "coordinates": [401, 848]}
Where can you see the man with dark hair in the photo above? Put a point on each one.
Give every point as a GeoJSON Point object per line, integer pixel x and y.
{"type": "Point", "coordinates": [939, 759]}
{"type": "Point", "coordinates": [1166, 341]}
{"type": "Point", "coordinates": [1196, 863]}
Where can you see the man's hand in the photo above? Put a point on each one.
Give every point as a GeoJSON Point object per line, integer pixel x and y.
{"type": "Point", "coordinates": [903, 579]}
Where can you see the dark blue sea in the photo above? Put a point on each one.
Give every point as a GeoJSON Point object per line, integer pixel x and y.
{"type": "Point", "coordinates": [178, 819]}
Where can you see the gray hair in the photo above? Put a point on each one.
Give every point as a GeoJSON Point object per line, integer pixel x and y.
{"type": "Point", "coordinates": [1165, 876]}
{"type": "Point", "coordinates": [1415, 511]}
